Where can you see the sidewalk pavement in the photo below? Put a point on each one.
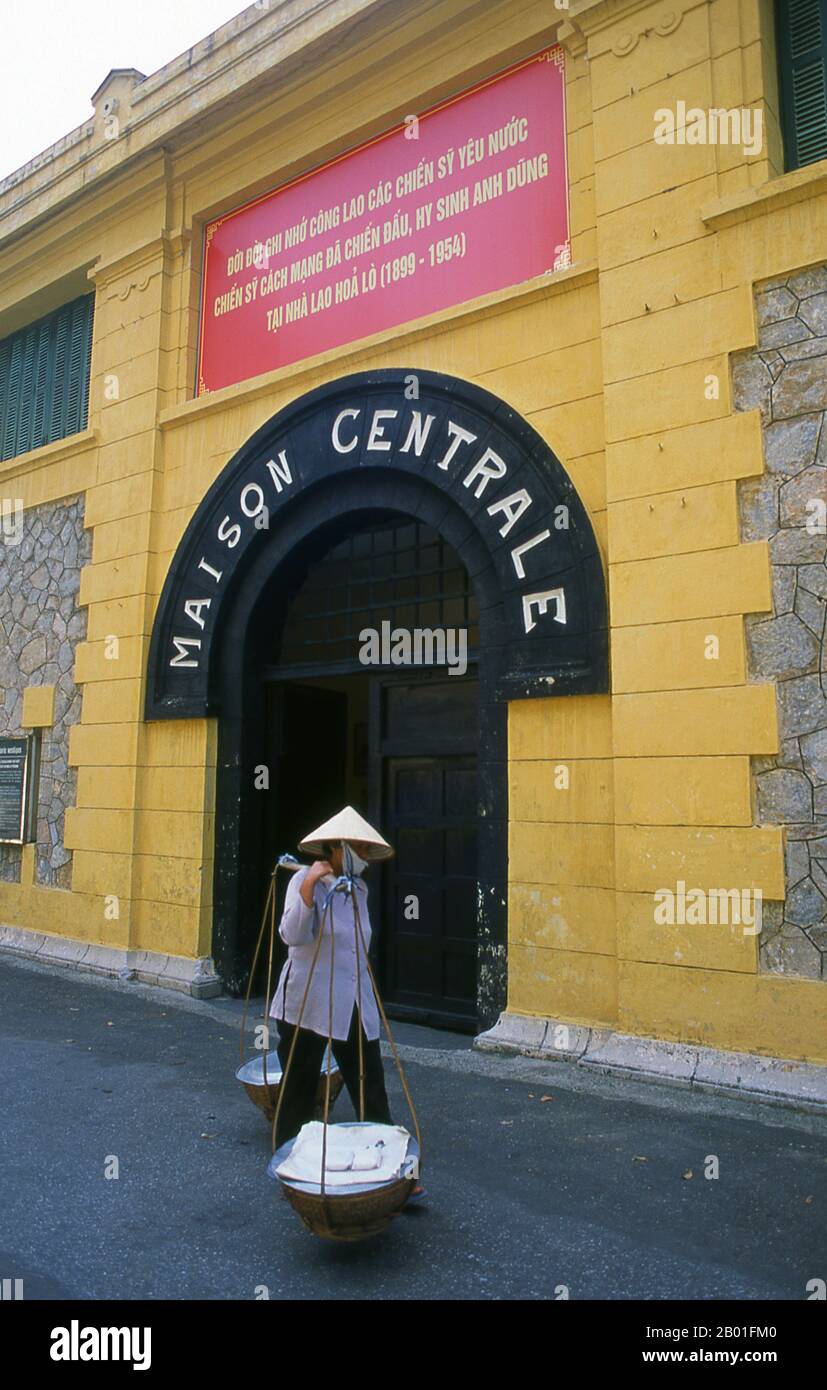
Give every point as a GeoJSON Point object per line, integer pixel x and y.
{"type": "Point", "coordinates": [544, 1181]}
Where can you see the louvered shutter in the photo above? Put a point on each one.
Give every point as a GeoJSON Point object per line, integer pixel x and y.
{"type": "Point", "coordinates": [77, 386]}
{"type": "Point", "coordinates": [5, 362]}
{"type": "Point", "coordinates": [44, 352]}
{"type": "Point", "coordinates": [802, 49]}
{"type": "Point", "coordinates": [12, 393]}
{"type": "Point", "coordinates": [44, 379]}
{"type": "Point", "coordinates": [31, 339]}
{"type": "Point", "coordinates": [59, 397]}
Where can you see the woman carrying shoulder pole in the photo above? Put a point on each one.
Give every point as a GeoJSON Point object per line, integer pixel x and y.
{"type": "Point", "coordinates": [354, 1004]}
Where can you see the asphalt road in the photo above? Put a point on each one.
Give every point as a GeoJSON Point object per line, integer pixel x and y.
{"type": "Point", "coordinates": [599, 1189]}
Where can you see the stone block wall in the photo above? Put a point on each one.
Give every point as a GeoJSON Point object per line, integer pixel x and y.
{"type": "Point", "coordinates": [786, 379]}
{"type": "Point", "coordinates": [40, 627]}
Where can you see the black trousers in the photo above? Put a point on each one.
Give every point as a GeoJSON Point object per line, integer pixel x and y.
{"type": "Point", "coordinates": [299, 1099]}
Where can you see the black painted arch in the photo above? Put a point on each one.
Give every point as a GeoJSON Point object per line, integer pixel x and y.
{"type": "Point", "coordinates": [553, 658]}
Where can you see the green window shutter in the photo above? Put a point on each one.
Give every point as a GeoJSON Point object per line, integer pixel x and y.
{"type": "Point", "coordinates": [12, 393]}
{"type": "Point", "coordinates": [31, 341]}
{"type": "Point", "coordinates": [59, 396]}
{"type": "Point", "coordinates": [79, 356]}
{"type": "Point", "coordinates": [42, 376]}
{"type": "Point", "coordinates": [802, 52]}
{"type": "Point", "coordinates": [5, 361]}
{"type": "Point", "coordinates": [44, 379]}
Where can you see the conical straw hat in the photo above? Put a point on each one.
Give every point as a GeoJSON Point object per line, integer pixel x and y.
{"type": "Point", "coordinates": [347, 825]}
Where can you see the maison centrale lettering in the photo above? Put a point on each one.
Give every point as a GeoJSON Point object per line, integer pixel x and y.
{"type": "Point", "coordinates": [446, 450]}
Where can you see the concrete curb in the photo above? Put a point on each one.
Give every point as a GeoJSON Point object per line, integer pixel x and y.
{"type": "Point", "coordinates": [793, 1084]}
{"type": "Point", "coordinates": [196, 977]}
{"type": "Point", "coordinates": [799, 1085]}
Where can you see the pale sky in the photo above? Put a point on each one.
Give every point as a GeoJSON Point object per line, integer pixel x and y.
{"type": "Point", "coordinates": [55, 53]}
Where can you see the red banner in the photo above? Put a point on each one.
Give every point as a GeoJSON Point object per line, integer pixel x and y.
{"type": "Point", "coordinates": [470, 197]}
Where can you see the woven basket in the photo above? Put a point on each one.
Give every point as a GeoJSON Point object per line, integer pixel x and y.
{"type": "Point", "coordinates": [350, 1216]}
{"type": "Point", "coordinates": [266, 1097]}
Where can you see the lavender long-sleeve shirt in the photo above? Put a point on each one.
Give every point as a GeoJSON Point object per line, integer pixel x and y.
{"type": "Point", "coordinates": [299, 928]}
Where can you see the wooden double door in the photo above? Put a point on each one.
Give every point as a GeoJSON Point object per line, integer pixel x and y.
{"type": "Point", "coordinates": [424, 763]}
{"type": "Point", "coordinates": [421, 792]}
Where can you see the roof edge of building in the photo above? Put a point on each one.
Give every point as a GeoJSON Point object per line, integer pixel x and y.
{"type": "Point", "coordinates": [184, 91]}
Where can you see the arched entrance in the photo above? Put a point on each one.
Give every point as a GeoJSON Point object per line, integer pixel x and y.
{"type": "Point", "coordinates": [425, 450]}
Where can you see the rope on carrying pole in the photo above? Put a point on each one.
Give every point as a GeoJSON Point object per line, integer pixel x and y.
{"type": "Point", "coordinates": [329, 1050]}
{"type": "Point", "coordinates": [284, 861]}
{"type": "Point", "coordinates": [348, 861]}
{"type": "Point", "coordinates": [294, 1040]}
{"type": "Point", "coordinates": [272, 897]}
{"type": "Point", "coordinates": [270, 893]}
{"type": "Point", "coordinates": [396, 1058]}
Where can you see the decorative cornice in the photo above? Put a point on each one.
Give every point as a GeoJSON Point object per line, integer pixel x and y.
{"type": "Point", "coordinates": [127, 183]}
{"type": "Point", "coordinates": [572, 38]}
{"type": "Point", "coordinates": [617, 26]}
{"type": "Point", "coordinates": [627, 42]}
{"type": "Point", "coordinates": [174, 243]}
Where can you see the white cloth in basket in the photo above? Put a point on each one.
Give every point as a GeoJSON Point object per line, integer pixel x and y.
{"type": "Point", "coordinates": [372, 1153]}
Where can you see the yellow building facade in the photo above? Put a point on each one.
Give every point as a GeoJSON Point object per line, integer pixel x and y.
{"type": "Point", "coordinates": [655, 366]}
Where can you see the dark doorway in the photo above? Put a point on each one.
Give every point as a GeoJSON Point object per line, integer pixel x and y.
{"type": "Point", "coordinates": [306, 736]}
{"type": "Point", "coordinates": [400, 746]}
